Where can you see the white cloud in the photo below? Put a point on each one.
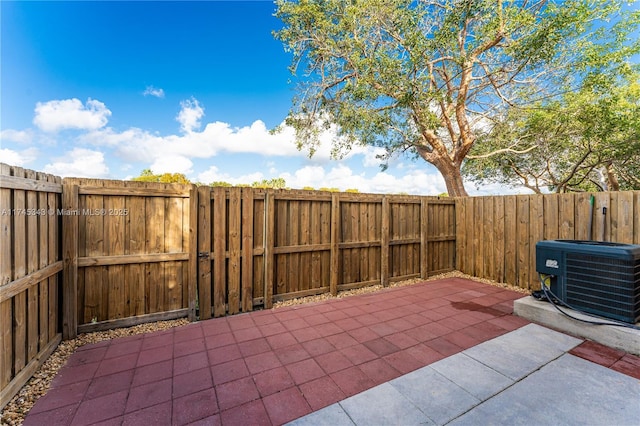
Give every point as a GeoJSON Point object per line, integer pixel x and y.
{"type": "Point", "coordinates": [153, 91]}
{"type": "Point", "coordinates": [79, 162]}
{"type": "Point", "coordinates": [19, 136]}
{"type": "Point", "coordinates": [18, 158]}
{"type": "Point", "coordinates": [371, 156]}
{"type": "Point", "coordinates": [70, 114]}
{"type": "Point", "coordinates": [213, 174]}
{"type": "Point", "coordinates": [177, 164]}
{"type": "Point", "coordinates": [343, 177]}
{"type": "Point", "coordinates": [190, 115]}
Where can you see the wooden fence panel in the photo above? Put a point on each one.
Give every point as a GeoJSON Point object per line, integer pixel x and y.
{"type": "Point", "coordinates": [30, 204]}
{"type": "Point", "coordinates": [519, 222]}
{"type": "Point", "coordinates": [134, 252]}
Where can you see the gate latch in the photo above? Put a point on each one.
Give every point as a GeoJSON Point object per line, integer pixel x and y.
{"type": "Point", "coordinates": [203, 255]}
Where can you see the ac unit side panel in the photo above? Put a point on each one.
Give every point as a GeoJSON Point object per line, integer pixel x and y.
{"type": "Point", "coordinates": [603, 286]}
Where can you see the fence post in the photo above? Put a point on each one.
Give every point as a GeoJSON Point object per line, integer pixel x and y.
{"type": "Point", "coordinates": [384, 243]}
{"type": "Point", "coordinates": [192, 284]}
{"type": "Point", "coordinates": [424, 241]}
{"type": "Point", "coordinates": [269, 230]}
{"type": "Point", "coordinates": [70, 258]}
{"type": "Point", "coordinates": [335, 248]}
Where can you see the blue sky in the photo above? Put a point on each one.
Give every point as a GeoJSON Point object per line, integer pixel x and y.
{"type": "Point", "coordinates": [106, 89]}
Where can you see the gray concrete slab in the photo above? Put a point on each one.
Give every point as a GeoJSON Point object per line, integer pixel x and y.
{"type": "Point", "coordinates": [544, 313]}
{"type": "Point", "coordinates": [473, 376]}
{"type": "Point", "coordinates": [567, 391]}
{"type": "Point", "coordinates": [383, 405]}
{"type": "Point", "coordinates": [329, 416]}
{"type": "Point", "coordinates": [469, 388]}
{"type": "Point", "coordinates": [520, 352]}
{"type": "Point", "coordinates": [434, 394]}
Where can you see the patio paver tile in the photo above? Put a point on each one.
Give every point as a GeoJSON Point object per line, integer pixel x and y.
{"type": "Point", "coordinates": [159, 414]}
{"type": "Point", "coordinates": [352, 380]}
{"type": "Point", "coordinates": [109, 384]}
{"type": "Point", "coordinates": [304, 371]}
{"type": "Point", "coordinates": [272, 381]}
{"type": "Point", "coordinates": [238, 392]}
{"type": "Point", "coordinates": [229, 371]}
{"type": "Point", "coordinates": [253, 347]}
{"type": "Point", "coordinates": [252, 413]}
{"type": "Point", "coordinates": [59, 416]}
{"type": "Point", "coordinates": [148, 395]}
{"type": "Point", "coordinates": [152, 373]}
{"type": "Point", "coordinates": [321, 392]}
{"type": "Point", "coordinates": [194, 407]}
{"type": "Point", "coordinates": [195, 361]}
{"type": "Point", "coordinates": [194, 381]}
{"type": "Point", "coordinates": [285, 406]}
{"type": "Point", "coordinates": [101, 408]}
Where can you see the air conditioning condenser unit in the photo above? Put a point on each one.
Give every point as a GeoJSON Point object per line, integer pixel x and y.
{"type": "Point", "coordinates": [597, 277]}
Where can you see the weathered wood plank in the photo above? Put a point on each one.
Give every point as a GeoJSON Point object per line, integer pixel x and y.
{"type": "Point", "coordinates": [70, 263]}
{"type": "Point", "coordinates": [43, 261]}
{"type": "Point", "coordinates": [24, 283]}
{"type": "Point", "coordinates": [510, 237]}
{"type": "Point", "coordinates": [234, 224]}
{"type": "Point", "coordinates": [131, 321]}
{"type": "Point", "coordinates": [335, 241]}
{"type": "Point", "coordinates": [154, 243]}
{"type": "Point", "coordinates": [384, 247]}
{"type": "Point", "coordinates": [173, 243]}
{"type": "Point", "coordinates": [499, 239]}
{"type": "Point", "coordinates": [247, 250]}
{"type": "Point", "coordinates": [6, 276]}
{"type": "Point", "coordinates": [19, 270]}
{"type": "Point", "coordinates": [205, 221]}
{"type": "Point", "coordinates": [134, 245]}
{"type": "Point", "coordinates": [113, 189]}
{"type": "Point", "coordinates": [522, 235]}
{"type": "Point", "coordinates": [551, 215]}
{"type": "Point", "coordinates": [566, 209]}
{"type": "Point", "coordinates": [219, 247]}
{"type": "Point", "coordinates": [29, 184]}
{"type": "Point", "coordinates": [269, 230]}
{"type": "Point", "coordinates": [536, 233]}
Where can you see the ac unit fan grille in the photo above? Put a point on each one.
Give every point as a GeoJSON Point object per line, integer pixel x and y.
{"type": "Point", "coordinates": [604, 286]}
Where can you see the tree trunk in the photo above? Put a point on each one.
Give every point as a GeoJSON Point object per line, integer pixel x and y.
{"type": "Point", "coordinates": [612, 180]}
{"type": "Point", "coordinates": [452, 178]}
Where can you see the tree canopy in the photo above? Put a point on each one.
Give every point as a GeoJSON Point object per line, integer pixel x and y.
{"type": "Point", "coordinates": [430, 77]}
{"type": "Point", "coordinates": [585, 141]}
{"type": "Point", "coordinates": [147, 175]}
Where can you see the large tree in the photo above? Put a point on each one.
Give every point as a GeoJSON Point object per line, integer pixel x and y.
{"type": "Point", "coordinates": [586, 141]}
{"type": "Point", "coordinates": [426, 77]}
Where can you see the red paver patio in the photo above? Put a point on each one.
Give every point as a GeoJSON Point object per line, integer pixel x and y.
{"type": "Point", "coordinates": [273, 366]}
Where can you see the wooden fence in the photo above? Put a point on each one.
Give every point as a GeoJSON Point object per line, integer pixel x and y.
{"type": "Point", "coordinates": [129, 251]}
{"type": "Point", "coordinates": [496, 236]}
{"type": "Point", "coordinates": [30, 264]}
{"type": "Point", "coordinates": [80, 255]}
{"type": "Point", "coordinates": [256, 247]}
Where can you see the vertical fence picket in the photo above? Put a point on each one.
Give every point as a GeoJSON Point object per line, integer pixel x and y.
{"type": "Point", "coordinates": [247, 250]}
